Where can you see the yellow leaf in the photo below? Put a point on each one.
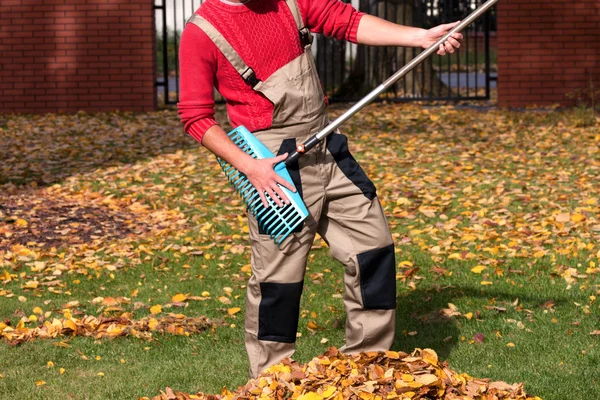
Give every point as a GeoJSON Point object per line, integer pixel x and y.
{"type": "Point", "coordinates": [577, 217]}
{"type": "Point", "coordinates": [37, 310]}
{"type": "Point", "coordinates": [469, 238]}
{"type": "Point", "coordinates": [205, 294]}
{"type": "Point", "coordinates": [233, 311]}
{"type": "Point", "coordinates": [478, 269]}
{"type": "Point", "coordinates": [246, 268]}
{"type": "Point", "coordinates": [392, 354]}
{"type": "Point", "coordinates": [278, 368]}
{"type": "Point", "coordinates": [485, 283]}
{"type": "Point", "coordinates": [402, 201]}
{"type": "Point", "coordinates": [510, 345]}
{"type": "Point", "coordinates": [31, 285]}
{"type": "Point", "coordinates": [61, 370]}
{"type": "Point", "coordinates": [21, 223]}
{"type": "Point", "coordinates": [156, 309]}
{"type": "Point", "coordinates": [430, 356]}
{"type": "Point", "coordinates": [179, 298]}
{"type": "Point", "coordinates": [70, 324]}
{"type": "Point", "coordinates": [100, 374]}
{"type": "Point", "coordinates": [312, 325]}
{"type": "Point", "coordinates": [469, 315]}
{"type": "Point", "coordinates": [310, 396]}
{"type": "Point", "coordinates": [539, 254]}
{"type": "Point", "coordinates": [152, 323]}
{"type": "Point", "coordinates": [40, 383]}
{"type": "Point", "coordinates": [329, 391]}
{"type": "Point", "coordinates": [22, 299]}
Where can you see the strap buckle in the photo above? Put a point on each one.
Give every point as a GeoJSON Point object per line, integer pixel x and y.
{"type": "Point", "coordinates": [250, 77]}
{"type": "Point", "coordinates": [306, 38]}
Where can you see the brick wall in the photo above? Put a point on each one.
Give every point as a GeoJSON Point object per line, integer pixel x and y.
{"type": "Point", "coordinates": [546, 50]}
{"type": "Point", "coordinates": [70, 55]}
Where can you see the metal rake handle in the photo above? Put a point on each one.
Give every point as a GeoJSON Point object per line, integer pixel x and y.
{"type": "Point", "coordinates": [315, 139]}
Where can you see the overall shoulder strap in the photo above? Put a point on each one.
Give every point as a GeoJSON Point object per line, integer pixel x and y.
{"type": "Point", "coordinates": [228, 51]}
{"type": "Point", "coordinates": [293, 6]}
{"type": "Point", "coordinates": [306, 37]}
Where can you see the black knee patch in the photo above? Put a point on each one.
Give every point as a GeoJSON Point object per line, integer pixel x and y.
{"type": "Point", "coordinates": [278, 311]}
{"type": "Point", "coordinates": [378, 278]}
{"type": "Point", "coordinates": [337, 144]}
{"type": "Point", "coordinates": [288, 146]}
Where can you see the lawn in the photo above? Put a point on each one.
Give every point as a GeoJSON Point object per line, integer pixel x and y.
{"type": "Point", "coordinates": [124, 219]}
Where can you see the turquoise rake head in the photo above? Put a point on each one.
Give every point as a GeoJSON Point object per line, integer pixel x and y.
{"type": "Point", "coordinates": [277, 222]}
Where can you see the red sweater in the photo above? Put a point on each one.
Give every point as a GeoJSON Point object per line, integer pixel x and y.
{"type": "Point", "coordinates": [265, 35]}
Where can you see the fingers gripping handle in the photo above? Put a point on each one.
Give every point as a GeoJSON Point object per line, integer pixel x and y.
{"type": "Point", "coordinates": [314, 140]}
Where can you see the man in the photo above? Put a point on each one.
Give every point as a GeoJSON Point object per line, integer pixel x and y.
{"type": "Point", "coordinates": [257, 54]}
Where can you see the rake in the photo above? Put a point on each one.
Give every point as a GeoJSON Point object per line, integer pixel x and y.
{"type": "Point", "coordinates": [279, 222]}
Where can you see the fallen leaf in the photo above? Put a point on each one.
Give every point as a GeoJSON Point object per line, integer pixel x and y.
{"type": "Point", "coordinates": [478, 269]}
{"type": "Point", "coordinates": [233, 311]}
{"type": "Point", "coordinates": [156, 309]}
{"type": "Point", "coordinates": [479, 337]}
{"type": "Point", "coordinates": [179, 298]}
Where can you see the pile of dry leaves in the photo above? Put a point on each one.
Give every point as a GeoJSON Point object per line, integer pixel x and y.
{"type": "Point", "coordinates": [102, 327]}
{"type": "Point", "coordinates": [367, 376]}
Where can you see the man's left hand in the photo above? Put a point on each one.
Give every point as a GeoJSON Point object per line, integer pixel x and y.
{"type": "Point", "coordinates": [436, 33]}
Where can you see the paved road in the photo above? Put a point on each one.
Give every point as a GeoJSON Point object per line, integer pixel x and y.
{"type": "Point", "coordinates": [464, 79]}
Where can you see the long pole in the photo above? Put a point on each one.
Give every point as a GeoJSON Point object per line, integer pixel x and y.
{"type": "Point", "coordinates": [314, 140]}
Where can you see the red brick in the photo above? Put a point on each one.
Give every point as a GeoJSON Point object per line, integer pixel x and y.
{"type": "Point", "coordinates": [558, 54]}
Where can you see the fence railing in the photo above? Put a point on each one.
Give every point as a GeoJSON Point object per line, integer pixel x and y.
{"type": "Point", "coordinates": [348, 71]}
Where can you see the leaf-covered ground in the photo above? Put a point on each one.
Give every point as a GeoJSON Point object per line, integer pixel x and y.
{"type": "Point", "coordinates": [120, 226]}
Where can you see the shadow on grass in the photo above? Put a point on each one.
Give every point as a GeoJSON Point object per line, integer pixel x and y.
{"type": "Point", "coordinates": [420, 323]}
{"type": "Point", "coordinates": [41, 150]}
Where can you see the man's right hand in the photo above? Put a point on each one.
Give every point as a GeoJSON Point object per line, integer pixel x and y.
{"type": "Point", "coordinates": [263, 177]}
{"type": "Point", "coordinates": [260, 173]}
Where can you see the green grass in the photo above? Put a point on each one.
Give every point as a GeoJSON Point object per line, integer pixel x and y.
{"type": "Point", "coordinates": [518, 171]}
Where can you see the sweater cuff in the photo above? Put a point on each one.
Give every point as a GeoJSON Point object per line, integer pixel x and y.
{"type": "Point", "coordinates": [199, 128]}
{"type": "Point", "coordinates": [352, 32]}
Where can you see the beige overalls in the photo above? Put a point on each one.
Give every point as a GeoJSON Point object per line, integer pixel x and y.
{"type": "Point", "coordinates": [343, 209]}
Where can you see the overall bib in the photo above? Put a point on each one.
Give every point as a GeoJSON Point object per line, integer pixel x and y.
{"type": "Point", "coordinates": [344, 211]}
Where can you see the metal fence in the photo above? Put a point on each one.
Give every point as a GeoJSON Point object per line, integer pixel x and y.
{"type": "Point", "coordinates": [348, 71]}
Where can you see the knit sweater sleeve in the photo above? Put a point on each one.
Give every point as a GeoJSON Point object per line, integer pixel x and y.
{"type": "Point", "coordinates": [198, 65]}
{"type": "Point", "coordinates": [332, 18]}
